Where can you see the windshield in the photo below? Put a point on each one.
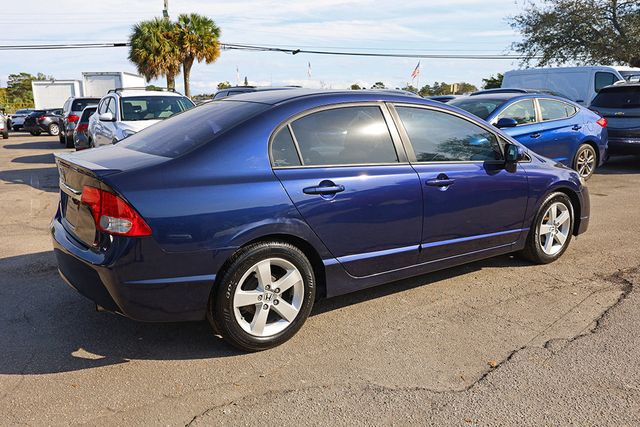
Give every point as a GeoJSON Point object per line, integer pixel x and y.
{"type": "Point", "coordinates": [136, 108]}
{"type": "Point", "coordinates": [196, 127]}
{"type": "Point", "coordinates": [618, 97]}
{"type": "Point", "coordinates": [481, 107]}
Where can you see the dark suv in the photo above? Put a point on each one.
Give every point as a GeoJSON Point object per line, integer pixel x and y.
{"type": "Point", "coordinates": [71, 112]}
{"type": "Point", "coordinates": [43, 121]}
{"type": "Point", "coordinates": [620, 105]}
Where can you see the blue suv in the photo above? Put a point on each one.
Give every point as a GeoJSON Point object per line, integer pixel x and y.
{"type": "Point", "coordinates": [551, 126]}
{"type": "Point", "coordinates": [243, 211]}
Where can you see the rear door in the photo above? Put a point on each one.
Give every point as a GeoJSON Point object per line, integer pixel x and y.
{"type": "Point", "coordinates": [346, 172]}
{"type": "Point", "coordinates": [560, 129]}
{"type": "Point", "coordinates": [471, 202]}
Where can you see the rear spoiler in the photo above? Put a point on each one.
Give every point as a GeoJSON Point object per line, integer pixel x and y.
{"type": "Point", "coordinates": [81, 165]}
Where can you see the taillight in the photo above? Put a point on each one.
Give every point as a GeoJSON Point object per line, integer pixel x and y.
{"type": "Point", "coordinates": [82, 127]}
{"type": "Point", "coordinates": [40, 118]}
{"type": "Point", "coordinates": [602, 122]}
{"type": "Point", "coordinates": [73, 118]}
{"type": "Point", "coordinates": [113, 215]}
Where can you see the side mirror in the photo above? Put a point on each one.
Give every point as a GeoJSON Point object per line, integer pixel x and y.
{"type": "Point", "coordinates": [106, 117]}
{"type": "Point", "coordinates": [506, 122]}
{"type": "Point", "coordinates": [513, 154]}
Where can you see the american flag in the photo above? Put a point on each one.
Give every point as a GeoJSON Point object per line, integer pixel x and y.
{"type": "Point", "coordinates": [416, 71]}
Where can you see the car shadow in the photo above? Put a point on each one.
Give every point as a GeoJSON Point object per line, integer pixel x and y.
{"type": "Point", "coordinates": [50, 328]}
{"type": "Point", "coordinates": [35, 145]}
{"type": "Point", "coordinates": [36, 158]}
{"type": "Point", "coordinates": [44, 179]}
{"type": "Point", "coordinates": [618, 165]}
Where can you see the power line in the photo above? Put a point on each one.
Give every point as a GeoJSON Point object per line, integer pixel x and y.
{"type": "Point", "coordinates": [260, 48]}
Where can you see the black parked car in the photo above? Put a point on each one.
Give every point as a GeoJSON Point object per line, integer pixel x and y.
{"type": "Point", "coordinates": [43, 121]}
{"type": "Point", "coordinates": [620, 105]}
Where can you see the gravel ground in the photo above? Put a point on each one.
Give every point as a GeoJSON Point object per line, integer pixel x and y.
{"type": "Point", "coordinates": [497, 342]}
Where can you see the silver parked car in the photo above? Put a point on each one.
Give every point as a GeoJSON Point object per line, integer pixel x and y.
{"type": "Point", "coordinates": [17, 118]}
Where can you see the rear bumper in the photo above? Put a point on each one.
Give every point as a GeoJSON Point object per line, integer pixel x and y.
{"type": "Point", "coordinates": [621, 145]}
{"type": "Point", "coordinates": [133, 277]}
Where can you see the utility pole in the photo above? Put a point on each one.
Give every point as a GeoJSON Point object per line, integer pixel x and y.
{"type": "Point", "coordinates": [165, 11]}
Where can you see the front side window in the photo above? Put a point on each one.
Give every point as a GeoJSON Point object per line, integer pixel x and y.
{"type": "Point", "coordinates": [344, 136]}
{"type": "Point", "coordinates": [111, 107]}
{"type": "Point", "coordinates": [604, 79]}
{"type": "Point", "coordinates": [442, 137]}
{"type": "Point", "coordinates": [555, 110]}
{"type": "Point", "coordinates": [134, 108]}
{"type": "Point", "coordinates": [523, 112]}
{"type": "Point", "coordinates": [102, 108]}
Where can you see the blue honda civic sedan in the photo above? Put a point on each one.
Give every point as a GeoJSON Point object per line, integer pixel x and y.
{"type": "Point", "coordinates": [244, 211]}
{"type": "Point", "coordinates": [551, 126]}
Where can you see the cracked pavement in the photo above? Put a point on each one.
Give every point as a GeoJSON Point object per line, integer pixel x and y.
{"type": "Point", "coordinates": [497, 342]}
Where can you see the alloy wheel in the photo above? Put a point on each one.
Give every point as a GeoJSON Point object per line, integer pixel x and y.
{"type": "Point", "coordinates": [54, 129]}
{"type": "Point", "coordinates": [555, 228]}
{"type": "Point", "coordinates": [268, 297]}
{"type": "Point", "coordinates": [586, 162]}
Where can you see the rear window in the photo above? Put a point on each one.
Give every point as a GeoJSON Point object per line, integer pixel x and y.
{"type": "Point", "coordinates": [81, 104]}
{"type": "Point", "coordinates": [479, 107]}
{"type": "Point", "coordinates": [87, 113]}
{"type": "Point", "coordinates": [618, 97]}
{"type": "Point", "coordinates": [193, 128]}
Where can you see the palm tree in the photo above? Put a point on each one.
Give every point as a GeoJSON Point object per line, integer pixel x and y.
{"type": "Point", "coordinates": [154, 50]}
{"type": "Point", "coordinates": [197, 39]}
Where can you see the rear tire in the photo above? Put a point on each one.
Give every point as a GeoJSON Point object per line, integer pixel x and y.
{"type": "Point", "coordinates": [551, 231]}
{"type": "Point", "coordinates": [586, 161]}
{"type": "Point", "coordinates": [53, 129]}
{"type": "Point", "coordinates": [35, 132]}
{"type": "Point", "coordinates": [263, 297]}
{"type": "Point", "coordinates": [62, 136]}
{"type": "Point", "coordinates": [5, 134]}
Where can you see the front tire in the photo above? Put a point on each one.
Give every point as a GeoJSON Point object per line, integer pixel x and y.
{"type": "Point", "coordinates": [585, 161]}
{"type": "Point", "coordinates": [265, 295]}
{"type": "Point", "coordinates": [551, 231]}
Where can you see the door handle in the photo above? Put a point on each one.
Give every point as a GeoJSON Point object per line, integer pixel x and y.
{"type": "Point", "coordinates": [576, 127]}
{"type": "Point", "coordinates": [324, 189]}
{"type": "Point", "coordinates": [535, 135]}
{"type": "Point", "coordinates": [440, 182]}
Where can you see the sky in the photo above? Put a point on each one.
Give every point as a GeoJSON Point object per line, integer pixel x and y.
{"type": "Point", "coordinates": [407, 26]}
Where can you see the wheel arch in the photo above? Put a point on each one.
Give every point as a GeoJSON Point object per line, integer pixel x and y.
{"type": "Point", "coordinates": [594, 145]}
{"type": "Point", "coordinates": [575, 203]}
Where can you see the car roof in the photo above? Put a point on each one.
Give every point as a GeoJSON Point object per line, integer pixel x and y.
{"type": "Point", "coordinates": [141, 92]}
{"type": "Point", "coordinates": [273, 97]}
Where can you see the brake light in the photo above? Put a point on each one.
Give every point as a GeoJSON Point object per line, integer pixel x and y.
{"type": "Point", "coordinates": [73, 118]}
{"type": "Point", "coordinates": [41, 118]}
{"type": "Point", "coordinates": [82, 127]}
{"type": "Point", "coordinates": [602, 122]}
{"type": "Point", "coordinates": [113, 215]}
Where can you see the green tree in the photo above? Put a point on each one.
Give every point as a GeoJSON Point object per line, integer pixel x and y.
{"type": "Point", "coordinates": [224, 85]}
{"type": "Point", "coordinates": [154, 50]}
{"type": "Point", "coordinates": [197, 39]}
{"type": "Point", "coordinates": [463, 87]}
{"type": "Point", "coordinates": [425, 90]}
{"type": "Point", "coordinates": [19, 87]}
{"type": "Point", "coordinates": [246, 81]}
{"type": "Point", "coordinates": [410, 88]}
{"type": "Point", "coordinates": [355, 86]}
{"type": "Point", "coordinates": [586, 31]}
{"type": "Point", "coordinates": [378, 85]}
{"type": "Point", "coordinates": [493, 82]}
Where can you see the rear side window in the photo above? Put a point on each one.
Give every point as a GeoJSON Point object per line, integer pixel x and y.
{"type": "Point", "coordinates": [196, 127]}
{"type": "Point", "coordinates": [604, 79]}
{"type": "Point", "coordinates": [283, 149]}
{"type": "Point", "coordinates": [343, 136]}
{"type": "Point", "coordinates": [81, 104]}
{"type": "Point", "coordinates": [523, 112]}
{"type": "Point", "coordinates": [441, 137]}
{"type": "Point", "coordinates": [555, 110]}
{"type": "Point", "coordinates": [618, 97]}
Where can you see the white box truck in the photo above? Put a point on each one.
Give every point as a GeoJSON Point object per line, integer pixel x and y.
{"type": "Point", "coordinates": [97, 84]}
{"type": "Point", "coordinates": [579, 84]}
{"type": "Point", "coordinates": [53, 93]}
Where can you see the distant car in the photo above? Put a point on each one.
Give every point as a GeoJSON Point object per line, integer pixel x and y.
{"type": "Point", "coordinates": [70, 115]}
{"type": "Point", "coordinates": [17, 118]}
{"type": "Point", "coordinates": [441, 98]}
{"type": "Point", "coordinates": [43, 121]}
{"type": "Point", "coordinates": [236, 90]}
{"type": "Point", "coordinates": [4, 126]}
{"type": "Point", "coordinates": [620, 106]}
{"type": "Point", "coordinates": [518, 90]}
{"type": "Point", "coordinates": [242, 211]}
{"type": "Point", "coordinates": [124, 112]}
{"type": "Point", "coordinates": [550, 126]}
{"type": "Point", "coordinates": [81, 131]}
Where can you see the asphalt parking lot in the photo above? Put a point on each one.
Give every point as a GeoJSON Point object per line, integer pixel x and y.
{"type": "Point", "coordinates": [492, 343]}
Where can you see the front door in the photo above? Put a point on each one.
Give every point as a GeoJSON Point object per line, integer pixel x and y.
{"type": "Point", "coordinates": [353, 186]}
{"type": "Point", "coordinates": [471, 202]}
